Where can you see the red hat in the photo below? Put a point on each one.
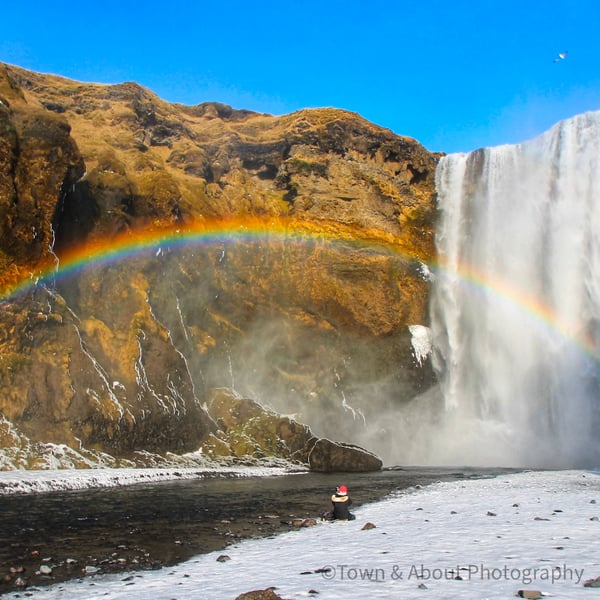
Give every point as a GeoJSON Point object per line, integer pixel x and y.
{"type": "Point", "coordinates": [342, 490]}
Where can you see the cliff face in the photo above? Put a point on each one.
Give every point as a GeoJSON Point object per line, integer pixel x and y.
{"type": "Point", "coordinates": [308, 315]}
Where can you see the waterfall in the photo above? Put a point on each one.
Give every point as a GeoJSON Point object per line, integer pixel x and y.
{"type": "Point", "coordinates": [516, 302]}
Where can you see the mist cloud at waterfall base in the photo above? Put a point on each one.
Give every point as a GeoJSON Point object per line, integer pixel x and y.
{"type": "Point", "coordinates": [346, 388]}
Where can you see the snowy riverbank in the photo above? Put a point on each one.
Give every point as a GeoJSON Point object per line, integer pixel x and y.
{"type": "Point", "coordinates": [28, 482]}
{"type": "Point", "coordinates": [535, 530]}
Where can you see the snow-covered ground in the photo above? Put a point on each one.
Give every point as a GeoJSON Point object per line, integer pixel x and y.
{"type": "Point", "coordinates": [27, 482]}
{"type": "Point", "coordinates": [527, 531]}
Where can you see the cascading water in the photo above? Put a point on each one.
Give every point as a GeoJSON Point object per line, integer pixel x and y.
{"type": "Point", "coordinates": [516, 302]}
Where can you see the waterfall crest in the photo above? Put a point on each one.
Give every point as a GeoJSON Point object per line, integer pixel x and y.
{"type": "Point", "coordinates": [516, 302]}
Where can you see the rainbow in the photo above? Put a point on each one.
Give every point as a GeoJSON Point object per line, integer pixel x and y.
{"type": "Point", "coordinates": [256, 230]}
{"type": "Point", "coordinates": [537, 311]}
{"type": "Point", "coordinates": [248, 230]}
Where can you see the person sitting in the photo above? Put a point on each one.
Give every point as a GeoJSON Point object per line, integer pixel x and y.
{"type": "Point", "coordinates": [341, 503]}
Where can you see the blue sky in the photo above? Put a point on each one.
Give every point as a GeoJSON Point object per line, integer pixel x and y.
{"type": "Point", "coordinates": [455, 75]}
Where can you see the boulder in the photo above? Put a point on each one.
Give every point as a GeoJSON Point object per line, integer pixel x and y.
{"type": "Point", "coordinates": [330, 457]}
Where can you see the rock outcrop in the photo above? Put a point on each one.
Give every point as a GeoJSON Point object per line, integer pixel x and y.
{"type": "Point", "coordinates": [245, 428]}
{"type": "Point", "coordinates": [307, 312]}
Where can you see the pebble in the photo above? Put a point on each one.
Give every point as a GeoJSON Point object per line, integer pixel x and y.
{"type": "Point", "coordinates": [46, 570]}
{"type": "Point", "coordinates": [368, 525]}
{"type": "Point", "coordinates": [531, 594]}
{"type": "Point", "coordinates": [223, 558]}
{"type": "Point", "coordinates": [594, 583]}
{"type": "Point", "coordinates": [308, 523]}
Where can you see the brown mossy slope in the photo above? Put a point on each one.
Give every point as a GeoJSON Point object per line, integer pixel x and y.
{"type": "Point", "coordinates": [150, 160]}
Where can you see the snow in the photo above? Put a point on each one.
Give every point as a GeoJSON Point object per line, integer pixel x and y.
{"type": "Point", "coordinates": [527, 531]}
{"type": "Point", "coordinates": [37, 481]}
{"type": "Point", "coordinates": [421, 342]}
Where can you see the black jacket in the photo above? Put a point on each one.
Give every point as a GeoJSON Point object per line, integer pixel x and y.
{"type": "Point", "coordinates": [341, 505]}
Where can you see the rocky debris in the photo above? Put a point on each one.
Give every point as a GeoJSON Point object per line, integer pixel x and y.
{"type": "Point", "coordinates": [368, 526]}
{"type": "Point", "coordinates": [223, 558]}
{"type": "Point", "coordinates": [531, 594]}
{"type": "Point", "coordinates": [329, 457]}
{"type": "Point", "coordinates": [268, 594]}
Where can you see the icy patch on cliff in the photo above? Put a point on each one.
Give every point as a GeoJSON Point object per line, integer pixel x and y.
{"type": "Point", "coordinates": [421, 342]}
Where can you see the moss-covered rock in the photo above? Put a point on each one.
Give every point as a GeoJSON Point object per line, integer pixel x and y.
{"type": "Point", "coordinates": [248, 429]}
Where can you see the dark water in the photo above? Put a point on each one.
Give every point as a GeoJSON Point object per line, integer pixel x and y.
{"type": "Point", "coordinates": [146, 526]}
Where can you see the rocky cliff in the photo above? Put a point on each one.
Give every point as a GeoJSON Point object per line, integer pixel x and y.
{"type": "Point", "coordinates": [301, 300]}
